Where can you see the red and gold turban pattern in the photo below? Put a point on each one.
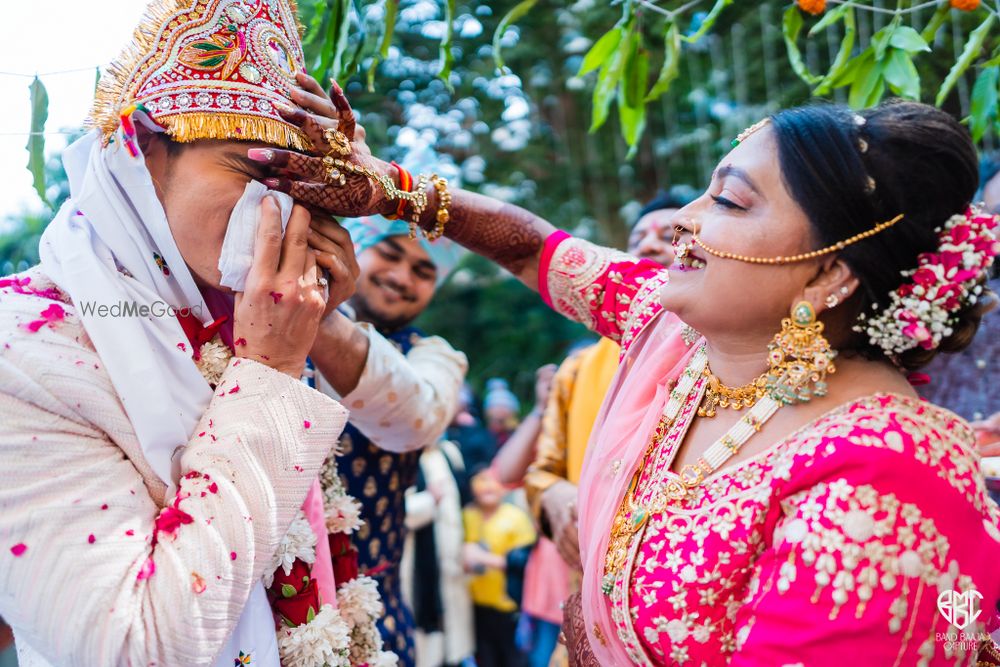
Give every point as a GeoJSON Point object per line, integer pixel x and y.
{"type": "Point", "coordinates": [209, 69]}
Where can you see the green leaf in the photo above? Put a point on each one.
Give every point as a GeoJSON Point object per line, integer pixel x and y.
{"type": "Point", "coordinates": [791, 25]}
{"type": "Point", "coordinates": [937, 20]}
{"type": "Point", "coordinates": [633, 120]}
{"type": "Point", "coordinates": [608, 79]}
{"type": "Point", "coordinates": [671, 62]}
{"type": "Point", "coordinates": [36, 140]}
{"type": "Point", "coordinates": [849, 72]}
{"type": "Point", "coordinates": [445, 52]}
{"type": "Point", "coordinates": [840, 63]}
{"type": "Point", "coordinates": [391, 11]}
{"type": "Point", "coordinates": [972, 49]}
{"type": "Point", "coordinates": [906, 38]}
{"type": "Point", "coordinates": [310, 615]}
{"type": "Point", "coordinates": [985, 98]}
{"type": "Point", "coordinates": [901, 75]}
{"type": "Point", "coordinates": [515, 14]}
{"type": "Point", "coordinates": [709, 20]}
{"type": "Point", "coordinates": [288, 591]}
{"type": "Point", "coordinates": [337, 33]}
{"type": "Point", "coordinates": [867, 78]}
{"type": "Point", "coordinates": [602, 48]}
{"type": "Point", "coordinates": [636, 76]}
{"type": "Point", "coordinates": [880, 40]}
{"type": "Point", "coordinates": [830, 18]}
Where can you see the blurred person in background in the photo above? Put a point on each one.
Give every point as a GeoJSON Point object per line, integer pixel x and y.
{"type": "Point", "coordinates": [544, 451]}
{"type": "Point", "coordinates": [501, 408]}
{"type": "Point", "coordinates": [435, 584]}
{"type": "Point", "coordinates": [499, 536]}
{"type": "Point", "coordinates": [477, 444]}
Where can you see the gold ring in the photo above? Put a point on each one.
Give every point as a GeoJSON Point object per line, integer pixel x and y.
{"type": "Point", "coordinates": [339, 143]}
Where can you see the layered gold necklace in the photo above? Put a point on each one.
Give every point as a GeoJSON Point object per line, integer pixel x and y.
{"type": "Point", "coordinates": [632, 514]}
{"type": "Point", "coordinates": [799, 358]}
{"type": "Point", "coordinates": [718, 395]}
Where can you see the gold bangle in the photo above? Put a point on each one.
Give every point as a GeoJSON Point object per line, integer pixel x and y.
{"type": "Point", "coordinates": [444, 202]}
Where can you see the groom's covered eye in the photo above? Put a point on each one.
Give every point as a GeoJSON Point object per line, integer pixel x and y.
{"type": "Point", "coordinates": [241, 163]}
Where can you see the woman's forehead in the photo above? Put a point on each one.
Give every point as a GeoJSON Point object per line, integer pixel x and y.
{"type": "Point", "coordinates": [754, 162]}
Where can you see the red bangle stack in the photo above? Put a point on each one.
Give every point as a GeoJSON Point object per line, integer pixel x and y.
{"type": "Point", "coordinates": [406, 185]}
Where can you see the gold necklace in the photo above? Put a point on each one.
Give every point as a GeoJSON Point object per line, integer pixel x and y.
{"type": "Point", "coordinates": [633, 514]}
{"type": "Point", "coordinates": [718, 395]}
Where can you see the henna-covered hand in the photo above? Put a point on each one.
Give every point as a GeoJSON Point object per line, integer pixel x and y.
{"type": "Point", "coordinates": [306, 177]}
{"type": "Point", "coordinates": [504, 233]}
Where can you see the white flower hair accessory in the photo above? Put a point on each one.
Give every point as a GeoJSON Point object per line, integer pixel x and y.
{"type": "Point", "coordinates": [921, 311]}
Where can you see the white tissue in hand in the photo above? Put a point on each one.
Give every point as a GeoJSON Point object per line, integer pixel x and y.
{"type": "Point", "coordinates": [237, 247]}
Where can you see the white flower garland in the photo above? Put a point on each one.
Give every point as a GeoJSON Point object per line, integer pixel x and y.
{"type": "Point", "coordinates": [359, 601]}
{"type": "Point", "coordinates": [322, 642]}
{"type": "Point", "coordinates": [213, 361]}
{"type": "Point", "coordinates": [298, 543]}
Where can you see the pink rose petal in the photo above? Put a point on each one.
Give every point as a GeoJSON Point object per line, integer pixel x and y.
{"type": "Point", "coordinates": [276, 296]}
{"type": "Point", "coordinates": [213, 488]}
{"type": "Point", "coordinates": [307, 424]}
{"type": "Point", "coordinates": [234, 389]}
{"type": "Point", "coordinates": [170, 520]}
{"type": "Point", "coordinates": [91, 539]}
{"type": "Point", "coordinates": [197, 583]}
{"type": "Point", "coordinates": [19, 549]}
{"type": "Point", "coordinates": [232, 555]}
{"type": "Point", "coordinates": [147, 570]}
{"type": "Point", "coordinates": [239, 341]}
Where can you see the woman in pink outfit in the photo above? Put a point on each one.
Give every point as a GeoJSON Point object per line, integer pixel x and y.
{"type": "Point", "coordinates": [763, 487]}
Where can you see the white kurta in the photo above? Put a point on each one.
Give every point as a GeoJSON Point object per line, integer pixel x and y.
{"type": "Point", "coordinates": [81, 498]}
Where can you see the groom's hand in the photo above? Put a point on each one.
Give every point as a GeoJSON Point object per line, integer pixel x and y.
{"type": "Point", "coordinates": [334, 251]}
{"type": "Point", "coordinates": [277, 316]}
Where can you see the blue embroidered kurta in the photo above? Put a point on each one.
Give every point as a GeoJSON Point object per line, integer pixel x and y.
{"type": "Point", "coordinates": [379, 480]}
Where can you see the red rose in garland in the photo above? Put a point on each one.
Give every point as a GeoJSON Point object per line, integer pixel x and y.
{"type": "Point", "coordinates": [345, 558]}
{"type": "Point", "coordinates": [294, 595]}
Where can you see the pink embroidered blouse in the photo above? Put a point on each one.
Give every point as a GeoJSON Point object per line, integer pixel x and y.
{"type": "Point", "coordinates": [841, 542]}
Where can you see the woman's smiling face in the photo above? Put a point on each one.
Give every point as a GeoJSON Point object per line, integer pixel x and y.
{"type": "Point", "coordinates": [748, 211]}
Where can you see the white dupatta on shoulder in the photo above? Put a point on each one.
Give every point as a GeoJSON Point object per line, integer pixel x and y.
{"type": "Point", "coordinates": [103, 248]}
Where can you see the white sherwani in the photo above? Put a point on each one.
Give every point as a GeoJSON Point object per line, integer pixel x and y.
{"type": "Point", "coordinates": [78, 499]}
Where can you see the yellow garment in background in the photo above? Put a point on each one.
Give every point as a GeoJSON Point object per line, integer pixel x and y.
{"type": "Point", "coordinates": [507, 529]}
{"type": "Point", "coordinates": [578, 390]}
{"type": "Point", "coordinates": [598, 365]}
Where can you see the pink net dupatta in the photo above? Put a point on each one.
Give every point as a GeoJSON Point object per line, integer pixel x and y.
{"type": "Point", "coordinates": [631, 409]}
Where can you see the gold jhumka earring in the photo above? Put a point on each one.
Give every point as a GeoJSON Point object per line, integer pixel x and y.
{"type": "Point", "coordinates": [799, 357]}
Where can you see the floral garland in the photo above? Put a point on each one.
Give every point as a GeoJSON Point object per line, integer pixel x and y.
{"type": "Point", "coordinates": [313, 634]}
{"type": "Point", "coordinates": [922, 310]}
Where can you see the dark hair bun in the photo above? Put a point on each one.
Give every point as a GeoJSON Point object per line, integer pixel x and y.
{"type": "Point", "coordinates": [921, 162]}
